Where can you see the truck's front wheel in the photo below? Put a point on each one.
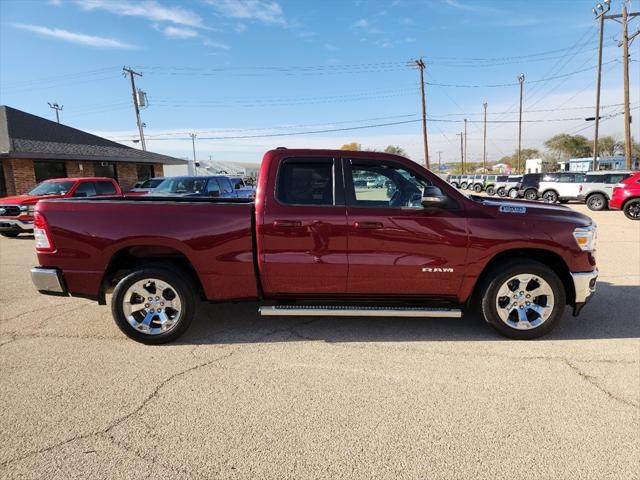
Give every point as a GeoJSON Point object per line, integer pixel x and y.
{"type": "Point", "coordinates": [522, 299]}
{"type": "Point", "coordinates": [153, 305]}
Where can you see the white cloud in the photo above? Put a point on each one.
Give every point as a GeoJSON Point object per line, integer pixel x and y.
{"type": "Point", "coordinates": [240, 27]}
{"type": "Point", "coordinates": [179, 32]}
{"type": "Point", "coordinates": [74, 37]}
{"type": "Point", "coordinates": [362, 23]}
{"type": "Point", "coordinates": [269, 12]}
{"type": "Point", "coordinates": [149, 9]}
{"type": "Point", "coordinates": [218, 45]}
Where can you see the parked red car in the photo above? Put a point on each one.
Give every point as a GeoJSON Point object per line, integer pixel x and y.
{"type": "Point", "coordinates": [626, 197]}
{"type": "Point", "coordinates": [315, 242]}
{"type": "Point", "coordinates": [16, 213]}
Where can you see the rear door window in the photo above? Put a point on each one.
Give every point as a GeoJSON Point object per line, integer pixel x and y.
{"type": "Point", "coordinates": [617, 178]}
{"type": "Point", "coordinates": [308, 182]}
{"type": "Point", "coordinates": [105, 188]}
{"type": "Point", "coordinates": [85, 189]}
{"type": "Point", "coordinates": [213, 188]}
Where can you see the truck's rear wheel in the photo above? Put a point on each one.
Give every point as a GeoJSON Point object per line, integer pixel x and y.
{"type": "Point", "coordinates": [502, 192]}
{"type": "Point", "coordinates": [632, 209]}
{"type": "Point", "coordinates": [477, 188]}
{"type": "Point", "coordinates": [522, 299]}
{"type": "Point", "coordinates": [531, 194]}
{"type": "Point", "coordinates": [153, 305]}
{"type": "Point", "coordinates": [550, 196]}
{"type": "Point", "coordinates": [491, 190]}
{"type": "Point", "coordinates": [513, 193]}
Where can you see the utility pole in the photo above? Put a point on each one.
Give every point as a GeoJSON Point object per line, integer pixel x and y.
{"type": "Point", "coordinates": [521, 81]}
{"type": "Point", "coordinates": [421, 66]}
{"type": "Point", "coordinates": [57, 108]}
{"type": "Point", "coordinates": [625, 62]}
{"type": "Point", "coordinates": [133, 74]}
{"type": "Point", "coordinates": [461, 134]}
{"type": "Point", "coordinates": [599, 11]}
{"type": "Point", "coordinates": [465, 140]}
{"type": "Point", "coordinates": [191, 165]}
{"type": "Point", "coordinates": [439, 162]}
{"type": "Point", "coordinates": [484, 145]}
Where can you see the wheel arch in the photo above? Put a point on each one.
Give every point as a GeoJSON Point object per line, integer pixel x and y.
{"type": "Point", "coordinates": [551, 259]}
{"type": "Point", "coordinates": [132, 257]}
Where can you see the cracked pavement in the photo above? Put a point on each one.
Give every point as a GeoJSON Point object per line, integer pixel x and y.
{"type": "Point", "coordinates": [241, 396]}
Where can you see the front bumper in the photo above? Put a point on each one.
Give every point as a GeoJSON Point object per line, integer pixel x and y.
{"type": "Point", "coordinates": [16, 225]}
{"type": "Point", "coordinates": [49, 281]}
{"type": "Point", "coordinates": [584, 284]}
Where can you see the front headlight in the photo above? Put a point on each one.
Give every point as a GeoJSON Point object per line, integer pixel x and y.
{"type": "Point", "coordinates": [586, 237]}
{"type": "Point", "coordinates": [31, 210]}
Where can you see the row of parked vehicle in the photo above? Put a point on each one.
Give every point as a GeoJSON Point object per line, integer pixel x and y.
{"type": "Point", "coordinates": [599, 190]}
{"type": "Point", "coordinates": [16, 213]}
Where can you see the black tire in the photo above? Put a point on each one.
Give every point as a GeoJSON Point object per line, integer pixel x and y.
{"type": "Point", "coordinates": [477, 188]}
{"type": "Point", "coordinates": [513, 193]}
{"type": "Point", "coordinates": [531, 194]}
{"type": "Point", "coordinates": [550, 196]}
{"type": "Point", "coordinates": [491, 190]}
{"type": "Point", "coordinates": [455, 184]}
{"type": "Point", "coordinates": [463, 185]}
{"type": "Point", "coordinates": [10, 234]}
{"type": "Point", "coordinates": [632, 209]}
{"type": "Point", "coordinates": [178, 281]}
{"type": "Point", "coordinates": [596, 202]}
{"type": "Point", "coordinates": [502, 192]}
{"type": "Point", "coordinates": [500, 274]}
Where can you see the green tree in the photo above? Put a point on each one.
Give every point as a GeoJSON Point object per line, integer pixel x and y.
{"type": "Point", "coordinates": [607, 146]}
{"type": "Point", "coordinates": [353, 146]}
{"type": "Point", "coordinates": [565, 146]}
{"type": "Point", "coordinates": [396, 150]}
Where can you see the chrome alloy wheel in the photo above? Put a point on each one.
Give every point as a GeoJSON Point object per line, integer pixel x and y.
{"type": "Point", "coordinates": [152, 306]}
{"type": "Point", "coordinates": [524, 301]}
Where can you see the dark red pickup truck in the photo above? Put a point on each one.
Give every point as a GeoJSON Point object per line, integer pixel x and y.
{"type": "Point", "coordinates": [329, 233]}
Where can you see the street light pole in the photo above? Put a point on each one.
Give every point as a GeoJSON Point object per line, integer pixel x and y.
{"type": "Point", "coordinates": [599, 11]}
{"type": "Point", "coordinates": [521, 81]}
{"type": "Point", "coordinates": [191, 165]}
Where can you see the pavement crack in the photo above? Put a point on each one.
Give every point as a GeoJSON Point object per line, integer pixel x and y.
{"type": "Point", "coordinates": [35, 310]}
{"type": "Point", "coordinates": [105, 431]}
{"type": "Point", "coordinates": [592, 380]}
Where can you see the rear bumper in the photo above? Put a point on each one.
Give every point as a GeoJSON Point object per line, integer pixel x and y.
{"type": "Point", "coordinates": [49, 281]}
{"type": "Point", "coordinates": [16, 225]}
{"type": "Point", "coordinates": [584, 284]}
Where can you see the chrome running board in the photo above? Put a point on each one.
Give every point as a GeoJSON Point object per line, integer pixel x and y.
{"type": "Point", "coordinates": [340, 311]}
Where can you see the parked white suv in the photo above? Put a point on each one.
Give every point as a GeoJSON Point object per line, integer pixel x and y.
{"type": "Point", "coordinates": [560, 186]}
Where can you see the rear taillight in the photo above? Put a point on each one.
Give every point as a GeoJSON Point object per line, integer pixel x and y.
{"type": "Point", "coordinates": [44, 242]}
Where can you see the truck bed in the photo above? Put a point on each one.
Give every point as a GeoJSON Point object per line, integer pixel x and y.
{"type": "Point", "coordinates": [214, 235]}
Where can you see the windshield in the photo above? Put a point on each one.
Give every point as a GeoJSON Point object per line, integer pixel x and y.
{"type": "Point", "coordinates": [181, 185]}
{"type": "Point", "coordinates": [52, 188]}
{"type": "Point", "coordinates": [151, 183]}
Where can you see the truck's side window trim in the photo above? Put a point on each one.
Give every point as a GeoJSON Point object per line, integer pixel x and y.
{"type": "Point", "coordinates": [337, 193]}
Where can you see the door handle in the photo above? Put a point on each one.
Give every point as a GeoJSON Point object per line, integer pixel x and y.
{"type": "Point", "coordinates": [368, 225]}
{"type": "Point", "coordinates": [287, 223]}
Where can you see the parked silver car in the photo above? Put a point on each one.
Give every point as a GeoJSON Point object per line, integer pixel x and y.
{"type": "Point", "coordinates": [597, 187]}
{"type": "Point", "coordinates": [509, 186]}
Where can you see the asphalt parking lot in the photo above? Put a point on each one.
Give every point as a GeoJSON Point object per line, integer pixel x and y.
{"type": "Point", "coordinates": [247, 397]}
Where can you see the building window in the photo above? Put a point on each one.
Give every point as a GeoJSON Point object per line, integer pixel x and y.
{"type": "Point", "coordinates": [45, 170]}
{"type": "Point", "coordinates": [144, 171]}
{"type": "Point", "coordinates": [106, 170]}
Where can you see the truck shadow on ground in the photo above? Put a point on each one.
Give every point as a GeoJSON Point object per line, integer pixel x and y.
{"type": "Point", "coordinates": [613, 313]}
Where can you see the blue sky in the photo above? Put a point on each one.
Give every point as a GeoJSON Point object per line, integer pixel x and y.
{"type": "Point", "coordinates": [224, 68]}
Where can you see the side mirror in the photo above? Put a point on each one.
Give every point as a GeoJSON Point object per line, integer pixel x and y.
{"type": "Point", "coordinates": [432, 197]}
